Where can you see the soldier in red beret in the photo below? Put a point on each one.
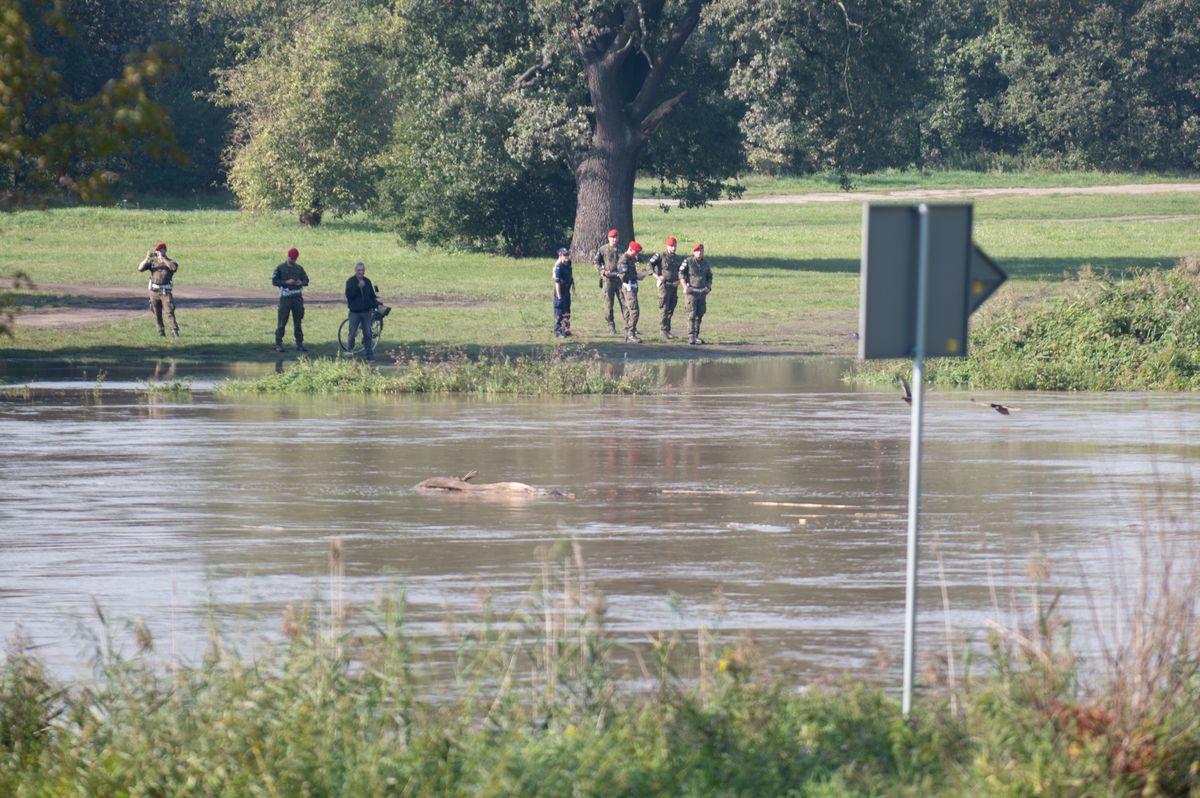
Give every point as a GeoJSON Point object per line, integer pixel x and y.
{"type": "Point", "coordinates": [697, 279]}
{"type": "Point", "coordinates": [627, 273]}
{"type": "Point", "coordinates": [162, 285]}
{"type": "Point", "coordinates": [606, 264]}
{"type": "Point", "coordinates": [665, 266]}
{"type": "Point", "coordinates": [290, 278]}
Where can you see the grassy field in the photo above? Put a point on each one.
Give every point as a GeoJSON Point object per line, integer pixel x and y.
{"type": "Point", "coordinates": [786, 276]}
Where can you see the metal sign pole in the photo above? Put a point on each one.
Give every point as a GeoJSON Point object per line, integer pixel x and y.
{"type": "Point", "coordinates": [914, 460]}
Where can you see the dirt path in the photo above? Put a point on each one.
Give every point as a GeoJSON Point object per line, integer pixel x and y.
{"type": "Point", "coordinates": [58, 307]}
{"type": "Point", "coordinates": [949, 193]}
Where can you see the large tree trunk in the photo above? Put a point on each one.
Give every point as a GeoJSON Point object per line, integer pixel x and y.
{"type": "Point", "coordinates": [604, 198]}
{"type": "Point", "coordinates": [623, 85]}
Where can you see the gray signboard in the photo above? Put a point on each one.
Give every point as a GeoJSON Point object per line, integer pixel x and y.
{"type": "Point", "coordinates": [888, 307]}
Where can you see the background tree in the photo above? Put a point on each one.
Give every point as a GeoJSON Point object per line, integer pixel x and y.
{"type": "Point", "coordinates": [312, 110]}
{"type": "Point", "coordinates": [59, 137]}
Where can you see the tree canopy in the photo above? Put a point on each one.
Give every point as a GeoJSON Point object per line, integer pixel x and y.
{"type": "Point", "coordinates": [57, 135]}
{"type": "Point", "coordinates": [515, 125]}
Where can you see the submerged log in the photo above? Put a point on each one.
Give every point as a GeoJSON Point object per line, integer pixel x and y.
{"type": "Point", "coordinates": [463, 485]}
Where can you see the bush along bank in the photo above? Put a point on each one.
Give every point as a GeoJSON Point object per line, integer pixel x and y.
{"type": "Point", "coordinates": [1100, 333]}
{"type": "Point", "coordinates": [533, 705]}
{"type": "Point", "coordinates": [547, 372]}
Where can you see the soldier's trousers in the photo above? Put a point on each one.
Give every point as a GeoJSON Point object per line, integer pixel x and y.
{"type": "Point", "coordinates": [696, 305]}
{"type": "Point", "coordinates": [668, 298]}
{"type": "Point", "coordinates": [294, 306]}
{"type": "Point", "coordinates": [630, 309]}
{"type": "Point", "coordinates": [160, 301]}
{"type": "Point", "coordinates": [612, 288]}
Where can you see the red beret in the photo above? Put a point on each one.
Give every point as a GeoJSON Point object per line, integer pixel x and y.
{"type": "Point", "coordinates": [671, 241]}
{"type": "Point", "coordinates": [613, 234]}
{"type": "Point", "coordinates": [161, 246]}
{"type": "Point", "coordinates": [635, 246]}
{"type": "Point", "coordinates": [293, 253]}
{"type": "Point", "coordinates": [698, 248]}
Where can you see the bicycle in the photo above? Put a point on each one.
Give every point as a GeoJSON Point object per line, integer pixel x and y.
{"type": "Point", "coordinates": [376, 331]}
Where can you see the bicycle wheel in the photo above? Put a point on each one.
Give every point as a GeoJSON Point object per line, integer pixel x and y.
{"type": "Point", "coordinates": [377, 330]}
{"type": "Point", "coordinates": [344, 338]}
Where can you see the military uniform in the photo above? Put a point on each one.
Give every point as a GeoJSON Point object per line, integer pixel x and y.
{"type": "Point", "coordinates": [606, 264]}
{"type": "Point", "coordinates": [161, 287]}
{"type": "Point", "coordinates": [628, 275]}
{"type": "Point", "coordinates": [665, 266]}
{"type": "Point", "coordinates": [698, 277]}
{"type": "Point", "coordinates": [291, 301]}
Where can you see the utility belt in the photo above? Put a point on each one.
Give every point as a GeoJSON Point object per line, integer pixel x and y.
{"type": "Point", "coordinates": [165, 287]}
{"type": "Point", "coordinates": [630, 286]}
{"type": "Point", "coordinates": [290, 291]}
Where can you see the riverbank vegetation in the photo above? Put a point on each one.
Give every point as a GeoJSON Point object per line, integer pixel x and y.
{"type": "Point", "coordinates": [1100, 333]}
{"type": "Point", "coordinates": [545, 372]}
{"type": "Point", "coordinates": [352, 702]}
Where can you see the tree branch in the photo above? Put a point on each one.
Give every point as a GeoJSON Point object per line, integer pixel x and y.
{"type": "Point", "coordinates": [641, 106]}
{"type": "Point", "coordinates": [653, 120]}
{"type": "Point", "coordinates": [531, 76]}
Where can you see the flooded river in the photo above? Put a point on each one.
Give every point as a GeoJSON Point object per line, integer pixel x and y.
{"type": "Point", "coordinates": [770, 482]}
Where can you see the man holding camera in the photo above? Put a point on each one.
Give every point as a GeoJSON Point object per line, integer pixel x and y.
{"type": "Point", "coordinates": [362, 301]}
{"type": "Point", "coordinates": [162, 275]}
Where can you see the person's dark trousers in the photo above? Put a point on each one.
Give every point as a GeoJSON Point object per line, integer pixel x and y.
{"type": "Point", "coordinates": [291, 305]}
{"type": "Point", "coordinates": [562, 308]}
{"type": "Point", "coordinates": [364, 320]}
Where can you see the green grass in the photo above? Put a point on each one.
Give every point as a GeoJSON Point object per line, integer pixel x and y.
{"type": "Point", "coordinates": [548, 372]}
{"type": "Point", "coordinates": [900, 180]}
{"type": "Point", "coordinates": [786, 276]}
{"type": "Point", "coordinates": [1099, 334]}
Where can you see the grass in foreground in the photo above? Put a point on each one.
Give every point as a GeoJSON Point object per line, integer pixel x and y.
{"type": "Point", "coordinates": [1099, 334]}
{"type": "Point", "coordinates": [549, 372]}
{"type": "Point", "coordinates": [533, 706]}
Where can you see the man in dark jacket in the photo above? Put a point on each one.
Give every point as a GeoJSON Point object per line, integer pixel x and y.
{"type": "Point", "coordinates": [290, 279]}
{"type": "Point", "coordinates": [162, 283]}
{"type": "Point", "coordinates": [361, 299]}
{"type": "Point", "coordinates": [564, 286]}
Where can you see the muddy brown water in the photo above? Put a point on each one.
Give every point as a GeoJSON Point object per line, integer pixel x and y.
{"type": "Point", "coordinates": [768, 483]}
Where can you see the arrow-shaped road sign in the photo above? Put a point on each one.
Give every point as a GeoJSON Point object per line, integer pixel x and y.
{"type": "Point", "coordinates": [985, 278]}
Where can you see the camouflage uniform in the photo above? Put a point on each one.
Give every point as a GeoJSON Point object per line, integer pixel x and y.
{"type": "Point", "coordinates": [665, 266]}
{"type": "Point", "coordinates": [628, 275]}
{"type": "Point", "coordinates": [291, 301]}
{"type": "Point", "coordinates": [698, 278]}
{"type": "Point", "coordinates": [162, 275]}
{"type": "Point", "coordinates": [610, 284]}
